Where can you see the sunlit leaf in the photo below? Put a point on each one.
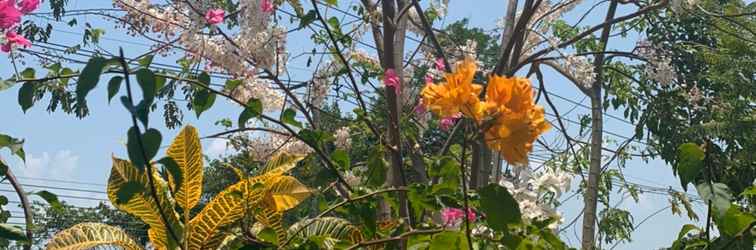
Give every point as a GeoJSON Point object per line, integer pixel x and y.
{"type": "Point", "coordinates": [186, 151]}
{"type": "Point", "coordinates": [92, 236]}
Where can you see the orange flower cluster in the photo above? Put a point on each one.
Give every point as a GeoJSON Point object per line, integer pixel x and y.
{"type": "Point", "coordinates": [511, 119]}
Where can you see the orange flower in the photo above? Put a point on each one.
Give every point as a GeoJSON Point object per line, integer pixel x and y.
{"type": "Point", "coordinates": [457, 94]}
{"type": "Point", "coordinates": [518, 121]}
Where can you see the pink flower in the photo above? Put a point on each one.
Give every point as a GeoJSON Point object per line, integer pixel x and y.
{"type": "Point", "coordinates": [391, 79]}
{"type": "Point", "coordinates": [447, 122]}
{"type": "Point", "coordinates": [440, 64]}
{"type": "Point", "coordinates": [9, 15]}
{"type": "Point", "coordinates": [214, 16]}
{"type": "Point", "coordinates": [452, 216]}
{"type": "Point", "coordinates": [12, 39]}
{"type": "Point", "coordinates": [420, 109]}
{"type": "Point", "coordinates": [428, 79]}
{"type": "Point", "coordinates": [266, 6]}
{"type": "Point", "coordinates": [28, 6]}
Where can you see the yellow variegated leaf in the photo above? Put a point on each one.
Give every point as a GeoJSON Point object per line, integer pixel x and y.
{"type": "Point", "coordinates": [330, 227]}
{"type": "Point", "coordinates": [282, 163]}
{"type": "Point", "coordinates": [285, 192]}
{"type": "Point", "coordinates": [158, 244]}
{"type": "Point", "coordinates": [186, 151]}
{"type": "Point", "coordinates": [225, 208]}
{"type": "Point", "coordinates": [142, 205]}
{"type": "Point", "coordinates": [92, 235]}
{"type": "Point", "coordinates": [272, 219]}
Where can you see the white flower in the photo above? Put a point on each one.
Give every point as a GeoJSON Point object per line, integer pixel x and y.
{"type": "Point", "coordinates": [343, 139]}
{"type": "Point", "coordinates": [263, 147]}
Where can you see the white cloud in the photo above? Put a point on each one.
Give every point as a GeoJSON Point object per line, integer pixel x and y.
{"type": "Point", "coordinates": [217, 148]}
{"type": "Point", "coordinates": [46, 171]}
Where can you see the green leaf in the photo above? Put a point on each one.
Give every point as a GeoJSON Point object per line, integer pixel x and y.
{"type": "Point", "coordinates": [150, 141]}
{"type": "Point", "coordinates": [253, 109]}
{"type": "Point", "coordinates": [16, 146]}
{"type": "Point", "coordinates": [447, 169]}
{"type": "Point", "coordinates": [735, 221]}
{"type": "Point", "coordinates": [89, 77]}
{"type": "Point", "coordinates": [174, 169]}
{"type": "Point", "coordinates": [307, 19]}
{"type": "Point", "coordinates": [28, 74]}
{"type": "Point", "coordinates": [268, 235]}
{"type": "Point", "coordinates": [145, 61]}
{"type": "Point", "coordinates": [334, 23]}
{"type": "Point", "coordinates": [289, 117]}
{"type": "Point", "coordinates": [689, 163]}
{"type": "Point", "coordinates": [718, 194]}
{"type": "Point", "coordinates": [231, 84]}
{"type": "Point", "coordinates": [376, 168]}
{"type": "Point", "coordinates": [146, 80]}
{"type": "Point", "coordinates": [50, 198]}
{"type": "Point", "coordinates": [686, 229]}
{"type": "Point", "coordinates": [341, 158]}
{"type": "Point", "coordinates": [11, 232]}
{"type": "Point", "coordinates": [127, 191]}
{"type": "Point", "coordinates": [449, 240]}
{"type": "Point", "coordinates": [202, 101]}
{"type": "Point", "coordinates": [6, 84]}
{"type": "Point", "coordinates": [113, 86]}
{"type": "Point", "coordinates": [26, 95]}
{"type": "Point", "coordinates": [332, 2]}
{"type": "Point", "coordinates": [499, 207]}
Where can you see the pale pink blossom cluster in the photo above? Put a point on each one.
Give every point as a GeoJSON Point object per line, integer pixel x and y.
{"type": "Point", "coordinates": [343, 138]}
{"type": "Point", "coordinates": [242, 53]}
{"type": "Point", "coordinates": [537, 193]}
{"type": "Point", "coordinates": [659, 67]}
{"type": "Point", "coordinates": [581, 69]}
{"type": "Point", "coordinates": [11, 12]}
{"type": "Point", "coordinates": [262, 148]}
{"type": "Point", "coordinates": [321, 82]}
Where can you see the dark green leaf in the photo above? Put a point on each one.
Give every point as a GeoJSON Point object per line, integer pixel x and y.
{"type": "Point", "coordinates": [150, 142]}
{"type": "Point", "coordinates": [376, 168]}
{"type": "Point", "coordinates": [202, 101]}
{"type": "Point", "coordinates": [231, 84]}
{"type": "Point", "coordinates": [289, 117]}
{"type": "Point", "coordinates": [89, 77]}
{"type": "Point", "coordinates": [113, 86]}
{"type": "Point", "coordinates": [253, 109]}
{"type": "Point", "coordinates": [50, 198]}
{"type": "Point", "coordinates": [11, 232]}
{"type": "Point", "coordinates": [307, 19]}
{"type": "Point", "coordinates": [146, 80]}
{"type": "Point", "coordinates": [26, 95]}
{"type": "Point", "coordinates": [689, 163]}
{"type": "Point", "coordinates": [499, 207]}
{"type": "Point", "coordinates": [127, 191]}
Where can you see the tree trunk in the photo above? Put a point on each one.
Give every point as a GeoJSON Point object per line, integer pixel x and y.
{"type": "Point", "coordinates": [597, 122]}
{"type": "Point", "coordinates": [28, 219]}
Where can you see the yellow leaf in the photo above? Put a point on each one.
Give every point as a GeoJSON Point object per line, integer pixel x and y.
{"type": "Point", "coordinates": [92, 236]}
{"type": "Point", "coordinates": [186, 151]}
{"type": "Point", "coordinates": [143, 205]}
{"type": "Point", "coordinates": [282, 163]}
{"type": "Point", "coordinates": [285, 192]}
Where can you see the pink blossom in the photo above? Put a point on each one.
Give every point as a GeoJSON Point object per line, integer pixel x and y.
{"type": "Point", "coordinates": [440, 64]}
{"type": "Point", "coordinates": [266, 6]}
{"type": "Point", "coordinates": [391, 79]}
{"type": "Point", "coordinates": [428, 79]}
{"type": "Point", "coordinates": [447, 122]}
{"type": "Point", "coordinates": [9, 15]}
{"type": "Point", "coordinates": [12, 39]}
{"type": "Point", "coordinates": [420, 109]}
{"type": "Point", "coordinates": [214, 16]}
{"type": "Point", "coordinates": [452, 216]}
{"type": "Point", "coordinates": [28, 6]}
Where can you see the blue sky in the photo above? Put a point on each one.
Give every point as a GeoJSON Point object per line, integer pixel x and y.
{"type": "Point", "coordinates": [62, 147]}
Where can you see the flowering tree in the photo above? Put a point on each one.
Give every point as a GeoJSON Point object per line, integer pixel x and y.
{"type": "Point", "coordinates": [419, 161]}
